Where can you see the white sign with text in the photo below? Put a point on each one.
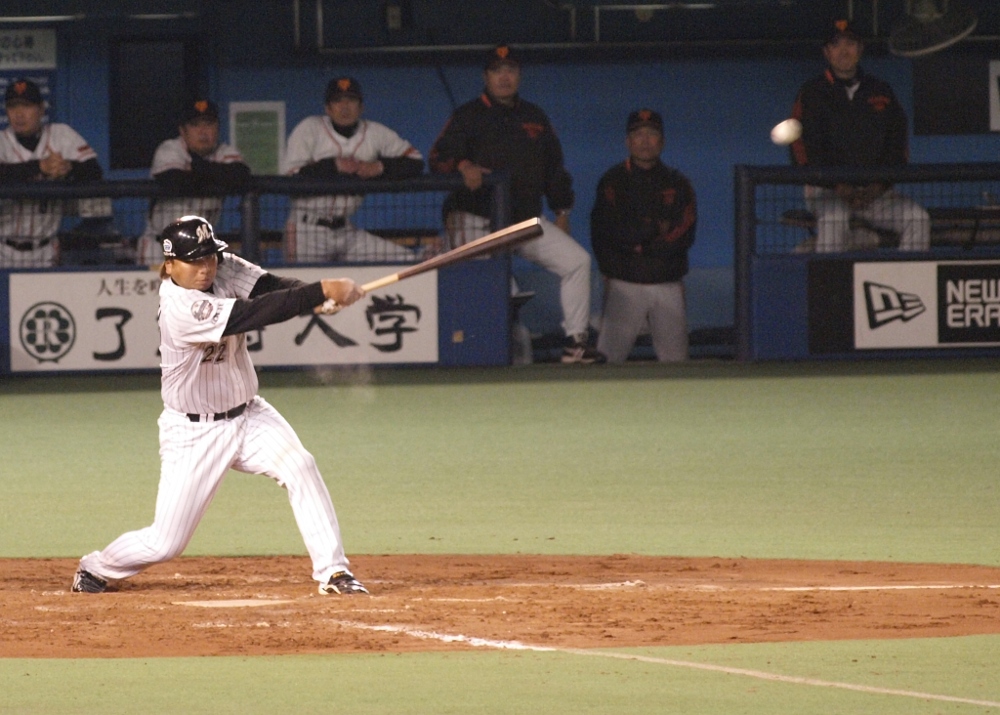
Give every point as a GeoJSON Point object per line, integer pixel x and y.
{"type": "Point", "coordinates": [926, 304]}
{"type": "Point", "coordinates": [28, 49]}
{"type": "Point", "coordinates": [107, 321]}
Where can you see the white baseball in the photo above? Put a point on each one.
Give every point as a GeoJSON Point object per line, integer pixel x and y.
{"type": "Point", "coordinates": [786, 132]}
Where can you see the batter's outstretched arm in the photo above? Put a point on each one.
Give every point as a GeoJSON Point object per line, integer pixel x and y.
{"type": "Point", "coordinates": [270, 282]}
{"type": "Point", "coordinates": [274, 307]}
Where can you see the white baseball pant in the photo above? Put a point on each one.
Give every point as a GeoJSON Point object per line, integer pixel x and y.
{"type": "Point", "coordinates": [555, 251]}
{"type": "Point", "coordinates": [310, 243]}
{"type": "Point", "coordinates": [195, 457]}
{"type": "Point", "coordinates": [890, 210]}
{"type": "Point", "coordinates": [38, 257]}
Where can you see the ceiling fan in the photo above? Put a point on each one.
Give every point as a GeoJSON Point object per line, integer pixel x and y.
{"type": "Point", "coordinates": [931, 25]}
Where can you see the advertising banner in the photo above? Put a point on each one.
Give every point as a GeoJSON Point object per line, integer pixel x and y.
{"type": "Point", "coordinates": [926, 304]}
{"type": "Point", "coordinates": [107, 321]}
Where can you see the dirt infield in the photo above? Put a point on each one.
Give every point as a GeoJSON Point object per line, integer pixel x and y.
{"type": "Point", "coordinates": [223, 606]}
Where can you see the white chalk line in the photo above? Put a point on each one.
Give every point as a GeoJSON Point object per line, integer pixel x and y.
{"type": "Point", "coordinates": [758, 674]}
{"type": "Point", "coordinates": [235, 603]}
{"type": "Point", "coordinates": [900, 587]}
{"type": "Point", "coordinates": [716, 587]}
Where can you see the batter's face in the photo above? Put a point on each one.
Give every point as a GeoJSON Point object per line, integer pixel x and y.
{"type": "Point", "coordinates": [843, 56]}
{"type": "Point", "coordinates": [25, 118]}
{"type": "Point", "coordinates": [198, 274]}
{"type": "Point", "coordinates": [201, 136]}
{"type": "Point", "coordinates": [644, 145]}
{"type": "Point", "coordinates": [344, 110]}
{"type": "Point", "coordinates": [503, 82]}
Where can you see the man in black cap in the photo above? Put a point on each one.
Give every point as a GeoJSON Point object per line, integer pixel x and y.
{"type": "Point", "coordinates": [32, 151]}
{"type": "Point", "coordinates": [340, 144]}
{"type": "Point", "coordinates": [194, 169]}
{"type": "Point", "coordinates": [641, 227]}
{"type": "Point", "coordinates": [850, 118]}
{"type": "Point", "coordinates": [499, 130]}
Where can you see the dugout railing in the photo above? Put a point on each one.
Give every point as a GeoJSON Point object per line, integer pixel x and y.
{"type": "Point", "coordinates": [103, 221]}
{"type": "Point", "coordinates": [83, 313]}
{"type": "Point", "coordinates": [795, 303]}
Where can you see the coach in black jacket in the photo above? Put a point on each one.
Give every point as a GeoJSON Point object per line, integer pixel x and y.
{"type": "Point", "coordinates": [499, 130]}
{"type": "Point", "coordinates": [641, 227]}
{"type": "Point", "coordinates": [850, 118]}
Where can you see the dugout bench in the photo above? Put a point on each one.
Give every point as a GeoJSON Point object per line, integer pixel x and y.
{"type": "Point", "coordinates": [962, 226]}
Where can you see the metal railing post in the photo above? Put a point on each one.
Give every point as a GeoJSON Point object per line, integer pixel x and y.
{"type": "Point", "coordinates": [500, 216]}
{"type": "Point", "coordinates": [746, 228]}
{"type": "Point", "coordinates": [250, 226]}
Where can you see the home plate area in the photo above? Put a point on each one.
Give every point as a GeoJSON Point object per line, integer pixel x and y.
{"type": "Point", "coordinates": [270, 605]}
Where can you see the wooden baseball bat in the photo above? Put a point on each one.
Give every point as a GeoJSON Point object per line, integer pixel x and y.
{"type": "Point", "coordinates": [505, 237]}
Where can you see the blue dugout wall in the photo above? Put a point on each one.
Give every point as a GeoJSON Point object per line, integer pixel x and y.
{"type": "Point", "coordinates": [717, 113]}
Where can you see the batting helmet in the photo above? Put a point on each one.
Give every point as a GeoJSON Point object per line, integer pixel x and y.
{"type": "Point", "coordinates": [190, 238]}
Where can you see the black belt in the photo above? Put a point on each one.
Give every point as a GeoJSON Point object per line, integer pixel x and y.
{"type": "Point", "coordinates": [28, 245]}
{"type": "Point", "coordinates": [331, 223]}
{"type": "Point", "coordinates": [230, 414]}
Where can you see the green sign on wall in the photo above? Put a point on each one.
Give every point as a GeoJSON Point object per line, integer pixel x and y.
{"type": "Point", "coordinates": [257, 130]}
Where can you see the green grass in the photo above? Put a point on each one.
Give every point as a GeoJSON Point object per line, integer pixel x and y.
{"type": "Point", "coordinates": [828, 461]}
{"type": "Point", "coordinates": [499, 683]}
{"type": "Point", "coordinates": [817, 461]}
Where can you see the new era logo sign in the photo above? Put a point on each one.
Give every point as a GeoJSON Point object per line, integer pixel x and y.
{"type": "Point", "coordinates": [886, 304]}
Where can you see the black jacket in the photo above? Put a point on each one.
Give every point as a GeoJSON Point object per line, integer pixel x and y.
{"type": "Point", "coordinates": [868, 130]}
{"type": "Point", "coordinates": [517, 138]}
{"type": "Point", "coordinates": [643, 223]}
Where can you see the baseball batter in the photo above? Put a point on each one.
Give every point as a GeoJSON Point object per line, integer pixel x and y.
{"type": "Point", "coordinates": [193, 163]}
{"type": "Point", "coordinates": [31, 151]}
{"type": "Point", "coordinates": [213, 419]}
{"type": "Point", "coordinates": [641, 227]}
{"type": "Point", "coordinates": [336, 145]}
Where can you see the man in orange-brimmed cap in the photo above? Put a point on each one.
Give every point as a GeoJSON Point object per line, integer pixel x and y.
{"type": "Point", "coordinates": [340, 144]}
{"type": "Point", "coordinates": [192, 168]}
{"type": "Point", "coordinates": [32, 150]}
{"type": "Point", "coordinates": [850, 118]}
{"type": "Point", "coordinates": [501, 131]}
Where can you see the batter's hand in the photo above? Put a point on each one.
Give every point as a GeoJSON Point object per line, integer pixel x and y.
{"type": "Point", "coordinates": [472, 174]}
{"type": "Point", "coordinates": [342, 291]}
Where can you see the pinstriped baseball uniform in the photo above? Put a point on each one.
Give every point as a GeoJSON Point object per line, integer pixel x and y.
{"type": "Point", "coordinates": [314, 139]}
{"type": "Point", "coordinates": [206, 374]}
{"type": "Point", "coordinates": [170, 155]}
{"type": "Point", "coordinates": [24, 219]}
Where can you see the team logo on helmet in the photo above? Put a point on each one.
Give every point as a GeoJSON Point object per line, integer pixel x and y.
{"type": "Point", "coordinates": [204, 233]}
{"type": "Point", "coordinates": [168, 247]}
